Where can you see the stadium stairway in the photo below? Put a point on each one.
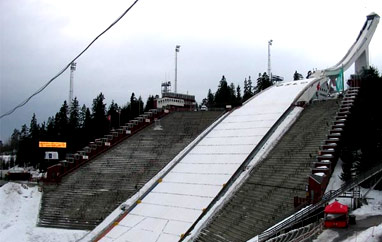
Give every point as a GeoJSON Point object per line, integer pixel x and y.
{"type": "Point", "coordinates": [85, 197]}
{"type": "Point", "coordinates": [267, 196]}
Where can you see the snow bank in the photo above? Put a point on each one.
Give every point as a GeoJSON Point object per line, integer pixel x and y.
{"type": "Point", "coordinates": [374, 206]}
{"type": "Point", "coordinates": [373, 234]}
{"type": "Point", "coordinates": [19, 207]}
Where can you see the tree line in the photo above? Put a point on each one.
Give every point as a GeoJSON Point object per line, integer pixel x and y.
{"type": "Point", "coordinates": [362, 137]}
{"type": "Point", "coordinates": [231, 95]}
{"type": "Point", "coordinates": [74, 124]}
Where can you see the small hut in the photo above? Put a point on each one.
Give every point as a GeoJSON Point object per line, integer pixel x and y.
{"type": "Point", "coordinates": [336, 215]}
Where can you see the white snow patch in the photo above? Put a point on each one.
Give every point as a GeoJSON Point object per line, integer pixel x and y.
{"type": "Point", "coordinates": [19, 207]}
{"type": "Point", "coordinates": [373, 234]}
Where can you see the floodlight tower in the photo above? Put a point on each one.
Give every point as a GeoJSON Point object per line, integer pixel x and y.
{"type": "Point", "coordinates": [176, 67]}
{"type": "Point", "coordinates": [269, 60]}
{"type": "Point", "coordinates": [72, 69]}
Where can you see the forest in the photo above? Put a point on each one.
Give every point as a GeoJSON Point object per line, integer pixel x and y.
{"type": "Point", "coordinates": [78, 125]}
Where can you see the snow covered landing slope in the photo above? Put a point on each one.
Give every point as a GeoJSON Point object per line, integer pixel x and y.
{"type": "Point", "coordinates": [172, 207]}
{"type": "Point", "coordinates": [19, 205]}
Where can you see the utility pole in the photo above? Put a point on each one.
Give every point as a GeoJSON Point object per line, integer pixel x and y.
{"type": "Point", "coordinates": [176, 67]}
{"type": "Point", "coordinates": [72, 69]}
{"type": "Point", "coordinates": [269, 60]}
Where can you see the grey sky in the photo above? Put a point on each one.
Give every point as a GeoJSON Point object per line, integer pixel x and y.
{"type": "Point", "coordinates": [217, 37]}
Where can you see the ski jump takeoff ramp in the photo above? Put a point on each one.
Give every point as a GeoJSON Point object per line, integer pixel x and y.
{"type": "Point", "coordinates": [178, 200]}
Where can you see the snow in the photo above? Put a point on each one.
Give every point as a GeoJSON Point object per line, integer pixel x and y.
{"type": "Point", "coordinates": [373, 208]}
{"type": "Point", "coordinates": [19, 207]}
{"type": "Point", "coordinates": [267, 147]}
{"type": "Point", "coordinates": [319, 174]}
{"type": "Point", "coordinates": [179, 202]}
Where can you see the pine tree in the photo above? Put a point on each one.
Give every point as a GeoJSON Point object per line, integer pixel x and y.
{"type": "Point", "coordinates": [62, 121]}
{"type": "Point", "coordinates": [150, 103]}
{"type": "Point", "coordinates": [238, 96]}
{"type": "Point", "coordinates": [74, 116]}
{"type": "Point", "coordinates": [210, 99]}
{"type": "Point", "coordinates": [232, 95]}
{"type": "Point", "coordinates": [51, 132]}
{"type": "Point", "coordinates": [100, 124]}
{"type": "Point", "coordinates": [248, 89]}
{"type": "Point", "coordinates": [297, 76]}
{"type": "Point", "coordinates": [34, 128]}
{"type": "Point", "coordinates": [113, 114]}
{"type": "Point", "coordinates": [222, 95]}
{"type": "Point", "coordinates": [263, 82]}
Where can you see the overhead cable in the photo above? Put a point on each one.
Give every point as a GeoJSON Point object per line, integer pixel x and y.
{"type": "Point", "coordinates": [68, 65]}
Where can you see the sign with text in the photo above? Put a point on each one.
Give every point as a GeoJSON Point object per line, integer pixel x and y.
{"type": "Point", "coordinates": [48, 144]}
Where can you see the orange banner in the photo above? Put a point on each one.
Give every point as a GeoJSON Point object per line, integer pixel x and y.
{"type": "Point", "coordinates": [48, 144]}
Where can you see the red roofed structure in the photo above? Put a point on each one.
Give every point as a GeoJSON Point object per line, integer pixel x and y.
{"type": "Point", "coordinates": [336, 215]}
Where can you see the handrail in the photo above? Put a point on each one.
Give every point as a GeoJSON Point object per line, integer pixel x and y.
{"type": "Point", "coordinates": [325, 198]}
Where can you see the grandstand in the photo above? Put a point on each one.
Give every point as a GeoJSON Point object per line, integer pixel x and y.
{"type": "Point", "coordinates": [267, 195]}
{"type": "Point", "coordinates": [85, 197]}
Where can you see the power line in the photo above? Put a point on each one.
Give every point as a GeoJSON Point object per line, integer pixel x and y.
{"type": "Point", "coordinates": [68, 65]}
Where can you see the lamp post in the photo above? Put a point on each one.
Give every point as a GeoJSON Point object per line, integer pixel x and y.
{"type": "Point", "coordinates": [269, 60]}
{"type": "Point", "coordinates": [176, 67]}
{"type": "Point", "coordinates": [72, 69]}
{"type": "Point", "coordinates": [119, 117]}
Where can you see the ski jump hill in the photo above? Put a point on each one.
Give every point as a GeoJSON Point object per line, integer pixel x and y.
{"type": "Point", "coordinates": [238, 176]}
{"type": "Point", "coordinates": [242, 173]}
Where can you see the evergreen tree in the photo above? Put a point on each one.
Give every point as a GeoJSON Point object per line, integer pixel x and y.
{"type": "Point", "coordinates": [362, 137]}
{"type": "Point", "coordinates": [100, 125]}
{"type": "Point", "coordinates": [247, 89]}
{"type": "Point", "coordinates": [297, 76]}
{"type": "Point", "coordinates": [34, 128]}
{"type": "Point", "coordinates": [150, 103]}
{"type": "Point", "coordinates": [263, 82]}
{"type": "Point", "coordinates": [51, 129]}
{"type": "Point", "coordinates": [232, 95]}
{"type": "Point", "coordinates": [62, 121]}
{"type": "Point", "coordinates": [15, 139]}
{"type": "Point", "coordinates": [238, 96]}
{"type": "Point", "coordinates": [113, 114]}
{"type": "Point", "coordinates": [82, 116]}
{"type": "Point", "coordinates": [250, 87]}
{"type": "Point", "coordinates": [24, 146]}
{"type": "Point", "coordinates": [210, 99]}
{"type": "Point", "coordinates": [74, 116]}
{"type": "Point", "coordinates": [74, 135]}
{"type": "Point", "coordinates": [222, 95]}
{"type": "Point", "coordinates": [86, 127]}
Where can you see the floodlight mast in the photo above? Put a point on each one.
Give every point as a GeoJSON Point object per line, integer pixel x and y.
{"type": "Point", "coordinates": [269, 60]}
{"type": "Point", "coordinates": [176, 67]}
{"type": "Point", "coordinates": [72, 69]}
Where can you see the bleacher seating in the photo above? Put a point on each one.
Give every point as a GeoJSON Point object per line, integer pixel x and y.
{"type": "Point", "coordinates": [267, 195]}
{"type": "Point", "coordinates": [86, 196]}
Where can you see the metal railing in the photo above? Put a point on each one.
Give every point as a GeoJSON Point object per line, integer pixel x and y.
{"type": "Point", "coordinates": [299, 216]}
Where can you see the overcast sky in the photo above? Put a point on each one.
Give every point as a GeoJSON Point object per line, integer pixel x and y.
{"type": "Point", "coordinates": [217, 37]}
